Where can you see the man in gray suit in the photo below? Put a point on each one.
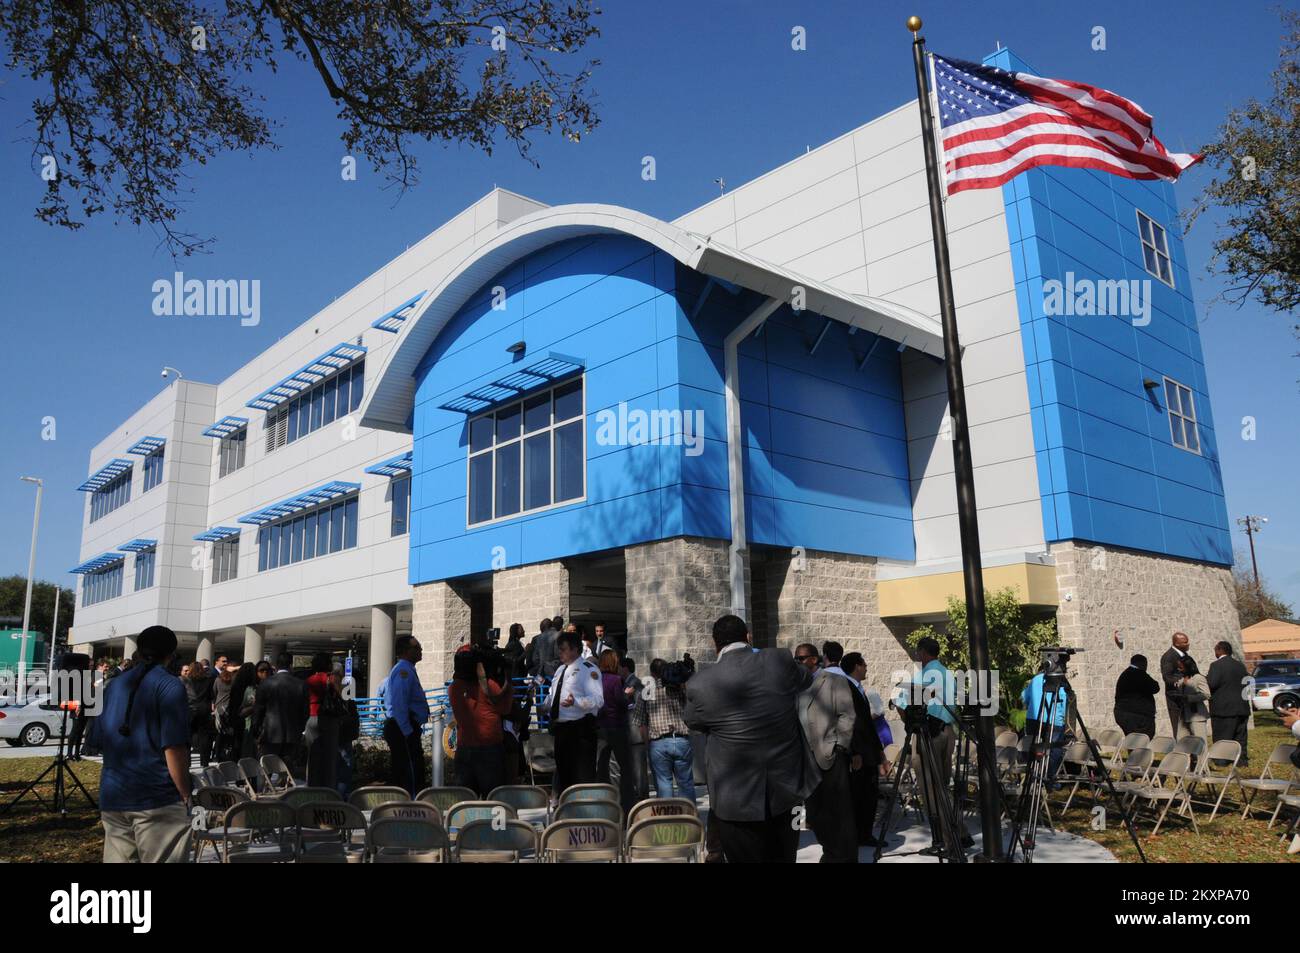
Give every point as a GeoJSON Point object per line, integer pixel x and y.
{"type": "Point", "coordinates": [541, 655]}
{"type": "Point", "coordinates": [829, 720]}
{"type": "Point", "coordinates": [759, 768]}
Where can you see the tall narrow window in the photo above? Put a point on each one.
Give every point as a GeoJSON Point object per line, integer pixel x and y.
{"type": "Point", "coordinates": [401, 492]}
{"type": "Point", "coordinates": [1155, 249]}
{"type": "Point", "coordinates": [153, 469]}
{"type": "Point", "coordinates": [144, 561]}
{"type": "Point", "coordinates": [1180, 405]}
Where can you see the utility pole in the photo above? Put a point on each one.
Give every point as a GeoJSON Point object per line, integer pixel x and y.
{"type": "Point", "coordinates": [1253, 524]}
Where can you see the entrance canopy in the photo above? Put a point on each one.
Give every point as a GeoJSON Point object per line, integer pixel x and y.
{"type": "Point", "coordinates": [387, 404]}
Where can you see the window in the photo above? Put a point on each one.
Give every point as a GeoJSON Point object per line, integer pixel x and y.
{"type": "Point", "coordinates": [324, 403]}
{"type": "Point", "coordinates": [153, 469]}
{"type": "Point", "coordinates": [1155, 249]}
{"type": "Point", "coordinates": [326, 529]}
{"type": "Point", "coordinates": [231, 451]}
{"type": "Point", "coordinates": [401, 487]}
{"type": "Point", "coordinates": [1181, 408]}
{"type": "Point", "coordinates": [225, 559]}
{"type": "Point", "coordinates": [102, 584]}
{"type": "Point", "coordinates": [144, 561]}
{"type": "Point", "coordinates": [115, 493]}
{"type": "Point", "coordinates": [527, 455]}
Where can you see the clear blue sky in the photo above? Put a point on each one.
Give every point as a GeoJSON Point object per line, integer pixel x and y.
{"type": "Point", "coordinates": [708, 88]}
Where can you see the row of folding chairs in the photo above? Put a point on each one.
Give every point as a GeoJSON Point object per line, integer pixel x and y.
{"type": "Point", "coordinates": [315, 825]}
{"type": "Point", "coordinates": [268, 776]}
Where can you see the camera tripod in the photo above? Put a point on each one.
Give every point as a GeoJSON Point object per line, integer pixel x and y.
{"type": "Point", "coordinates": [1057, 692]}
{"type": "Point", "coordinates": [947, 830]}
{"type": "Point", "coordinates": [60, 767]}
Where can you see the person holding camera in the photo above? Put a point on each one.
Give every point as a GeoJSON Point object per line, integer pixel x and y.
{"type": "Point", "coordinates": [935, 688]}
{"type": "Point", "coordinates": [576, 696]}
{"type": "Point", "coordinates": [480, 705]}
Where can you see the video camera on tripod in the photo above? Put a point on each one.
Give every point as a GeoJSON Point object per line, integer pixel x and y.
{"type": "Point", "coordinates": [1055, 658]}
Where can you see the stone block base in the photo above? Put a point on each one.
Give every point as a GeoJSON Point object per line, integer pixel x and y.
{"type": "Point", "coordinates": [1146, 598]}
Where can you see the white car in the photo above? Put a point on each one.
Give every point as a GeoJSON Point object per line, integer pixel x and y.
{"type": "Point", "coordinates": [32, 724]}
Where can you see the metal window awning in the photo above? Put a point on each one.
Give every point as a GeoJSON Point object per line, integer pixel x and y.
{"type": "Point", "coordinates": [303, 501]}
{"type": "Point", "coordinates": [105, 475]}
{"type": "Point", "coordinates": [225, 427]}
{"type": "Point", "coordinates": [146, 445]}
{"type": "Point", "coordinates": [549, 369]}
{"type": "Point", "coordinates": [331, 362]}
{"type": "Point", "coordinates": [392, 321]}
{"type": "Point", "coordinates": [218, 533]}
{"type": "Point", "coordinates": [139, 545]}
{"type": "Point", "coordinates": [102, 561]}
{"type": "Point", "coordinates": [397, 466]}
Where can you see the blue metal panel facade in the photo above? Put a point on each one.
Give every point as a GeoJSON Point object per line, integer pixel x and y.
{"type": "Point", "coordinates": [1108, 469]}
{"type": "Point", "coordinates": [826, 464]}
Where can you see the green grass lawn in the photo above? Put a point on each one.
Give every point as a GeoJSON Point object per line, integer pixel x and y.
{"type": "Point", "coordinates": [30, 833]}
{"type": "Point", "coordinates": [1228, 840]}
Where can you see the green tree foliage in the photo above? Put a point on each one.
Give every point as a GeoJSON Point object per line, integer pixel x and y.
{"type": "Point", "coordinates": [131, 95]}
{"type": "Point", "coordinates": [1256, 605]}
{"type": "Point", "coordinates": [13, 590]}
{"type": "Point", "coordinates": [1015, 636]}
{"type": "Point", "coordinates": [1256, 157]}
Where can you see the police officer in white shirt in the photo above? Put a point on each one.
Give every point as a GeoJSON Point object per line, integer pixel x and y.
{"type": "Point", "coordinates": [576, 696]}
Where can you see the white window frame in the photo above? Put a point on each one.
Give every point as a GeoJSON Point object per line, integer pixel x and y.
{"type": "Point", "coordinates": [550, 428]}
{"type": "Point", "coordinates": [1186, 398]}
{"type": "Point", "coordinates": [1159, 245]}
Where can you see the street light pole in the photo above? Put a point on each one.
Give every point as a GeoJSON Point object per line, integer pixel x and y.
{"type": "Point", "coordinates": [27, 603]}
{"type": "Point", "coordinates": [54, 638]}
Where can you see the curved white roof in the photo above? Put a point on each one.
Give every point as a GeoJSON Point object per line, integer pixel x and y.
{"type": "Point", "coordinates": [388, 402]}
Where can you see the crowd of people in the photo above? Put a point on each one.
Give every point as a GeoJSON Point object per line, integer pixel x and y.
{"type": "Point", "coordinates": [785, 740]}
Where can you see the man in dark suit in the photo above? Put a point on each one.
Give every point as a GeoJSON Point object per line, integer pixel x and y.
{"type": "Point", "coordinates": [759, 768]}
{"type": "Point", "coordinates": [1229, 709]}
{"type": "Point", "coordinates": [280, 706]}
{"type": "Point", "coordinates": [1135, 702]}
{"type": "Point", "coordinates": [869, 753]}
{"type": "Point", "coordinates": [1174, 680]}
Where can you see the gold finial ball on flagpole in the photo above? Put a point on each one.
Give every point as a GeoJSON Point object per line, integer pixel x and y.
{"type": "Point", "coordinates": [914, 24]}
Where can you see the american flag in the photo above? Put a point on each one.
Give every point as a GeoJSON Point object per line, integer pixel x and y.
{"type": "Point", "coordinates": [995, 124]}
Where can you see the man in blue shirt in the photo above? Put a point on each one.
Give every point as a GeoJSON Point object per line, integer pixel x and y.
{"type": "Point", "coordinates": [1039, 706]}
{"type": "Point", "coordinates": [143, 728]}
{"type": "Point", "coordinates": [934, 686]}
{"type": "Point", "coordinates": [405, 711]}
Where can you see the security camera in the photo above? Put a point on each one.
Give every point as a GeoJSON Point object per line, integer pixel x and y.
{"type": "Point", "coordinates": [164, 373]}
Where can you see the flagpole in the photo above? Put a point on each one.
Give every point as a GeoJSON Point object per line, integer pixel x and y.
{"type": "Point", "coordinates": [967, 521]}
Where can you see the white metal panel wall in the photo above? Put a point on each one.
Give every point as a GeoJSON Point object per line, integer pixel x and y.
{"type": "Point", "coordinates": [194, 498]}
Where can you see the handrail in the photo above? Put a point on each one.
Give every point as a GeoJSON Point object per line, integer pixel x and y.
{"type": "Point", "coordinates": [372, 709]}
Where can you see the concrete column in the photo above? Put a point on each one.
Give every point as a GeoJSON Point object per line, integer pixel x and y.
{"type": "Point", "coordinates": [676, 590]}
{"type": "Point", "coordinates": [383, 633]}
{"type": "Point", "coordinates": [253, 640]}
{"type": "Point", "coordinates": [525, 594]}
{"type": "Point", "coordinates": [204, 650]}
{"type": "Point", "coordinates": [440, 620]}
{"type": "Point", "coordinates": [128, 647]}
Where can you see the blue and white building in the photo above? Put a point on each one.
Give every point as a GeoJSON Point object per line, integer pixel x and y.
{"type": "Point", "coordinates": [584, 410]}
